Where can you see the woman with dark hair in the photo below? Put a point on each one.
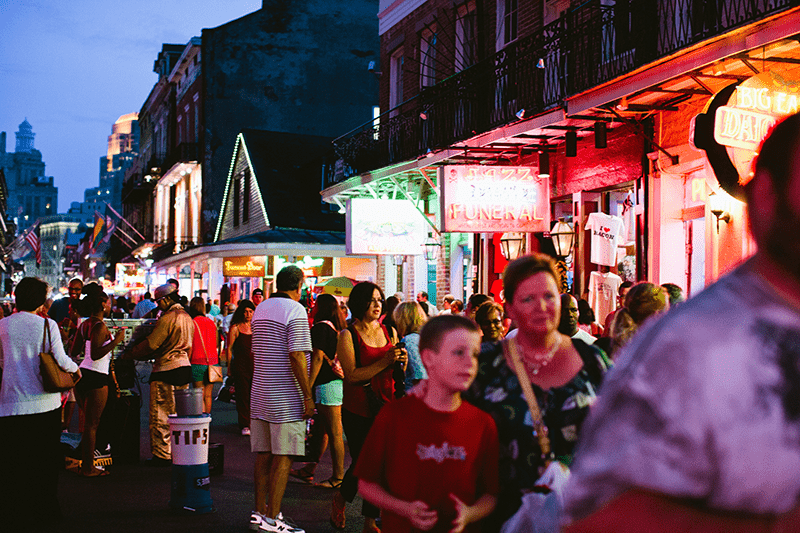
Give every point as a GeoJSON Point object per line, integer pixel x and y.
{"type": "Point", "coordinates": [564, 374]}
{"type": "Point", "coordinates": [204, 349]}
{"type": "Point", "coordinates": [387, 315]}
{"type": "Point", "coordinates": [240, 338]}
{"type": "Point", "coordinates": [489, 317]}
{"type": "Point", "coordinates": [94, 341]}
{"type": "Point", "coordinates": [328, 392]}
{"type": "Point", "coordinates": [368, 355]}
{"type": "Point", "coordinates": [30, 418]}
{"type": "Point", "coordinates": [642, 301]}
{"type": "Point", "coordinates": [586, 319]}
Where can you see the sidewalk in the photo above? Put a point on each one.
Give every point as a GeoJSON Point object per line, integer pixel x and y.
{"type": "Point", "coordinates": [135, 498]}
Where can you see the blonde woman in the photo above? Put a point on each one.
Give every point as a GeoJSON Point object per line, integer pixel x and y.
{"type": "Point", "coordinates": [642, 301]}
{"type": "Point", "coordinates": [409, 318]}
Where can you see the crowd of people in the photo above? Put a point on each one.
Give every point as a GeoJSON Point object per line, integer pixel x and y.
{"type": "Point", "coordinates": [664, 413]}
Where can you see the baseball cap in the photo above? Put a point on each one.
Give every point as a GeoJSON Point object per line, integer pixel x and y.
{"type": "Point", "coordinates": [164, 290]}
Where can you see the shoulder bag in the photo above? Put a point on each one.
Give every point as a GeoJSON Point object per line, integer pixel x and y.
{"type": "Point", "coordinates": [54, 378]}
{"type": "Point", "coordinates": [214, 372]}
{"type": "Point", "coordinates": [334, 363]}
{"type": "Point", "coordinates": [540, 510]}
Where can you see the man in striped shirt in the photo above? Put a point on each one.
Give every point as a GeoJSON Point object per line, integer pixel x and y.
{"type": "Point", "coordinates": [281, 399]}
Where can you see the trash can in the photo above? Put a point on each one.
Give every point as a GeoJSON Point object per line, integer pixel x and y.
{"type": "Point", "coordinates": [190, 475]}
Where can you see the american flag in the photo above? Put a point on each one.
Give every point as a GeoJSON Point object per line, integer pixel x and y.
{"type": "Point", "coordinates": [32, 238]}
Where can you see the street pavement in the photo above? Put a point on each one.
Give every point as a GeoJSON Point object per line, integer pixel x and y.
{"type": "Point", "coordinates": [135, 498]}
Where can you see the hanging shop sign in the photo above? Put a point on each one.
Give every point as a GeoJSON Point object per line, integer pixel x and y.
{"type": "Point", "coordinates": [243, 267]}
{"type": "Point", "coordinates": [476, 199]}
{"type": "Point", "coordinates": [736, 121]}
{"type": "Point", "coordinates": [130, 277]}
{"type": "Point", "coordinates": [311, 266]}
{"type": "Point", "coordinates": [384, 227]}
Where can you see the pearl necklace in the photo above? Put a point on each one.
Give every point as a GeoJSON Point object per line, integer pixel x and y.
{"type": "Point", "coordinates": [541, 361]}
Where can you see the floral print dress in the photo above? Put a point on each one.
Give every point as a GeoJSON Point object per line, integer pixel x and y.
{"type": "Point", "coordinates": [496, 390]}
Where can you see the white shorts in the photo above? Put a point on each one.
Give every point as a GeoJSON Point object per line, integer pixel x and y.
{"type": "Point", "coordinates": [278, 439]}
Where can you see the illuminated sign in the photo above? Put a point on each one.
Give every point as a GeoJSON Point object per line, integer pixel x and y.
{"type": "Point", "coordinates": [129, 276]}
{"type": "Point", "coordinates": [311, 266]}
{"type": "Point", "coordinates": [243, 267]}
{"type": "Point", "coordinates": [736, 121]}
{"type": "Point", "coordinates": [384, 227]}
{"type": "Point", "coordinates": [478, 199]}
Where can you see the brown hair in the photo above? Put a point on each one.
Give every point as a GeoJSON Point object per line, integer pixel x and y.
{"type": "Point", "coordinates": [434, 330]}
{"type": "Point", "coordinates": [523, 268]}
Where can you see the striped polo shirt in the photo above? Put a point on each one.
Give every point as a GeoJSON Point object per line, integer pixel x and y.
{"type": "Point", "coordinates": [280, 326]}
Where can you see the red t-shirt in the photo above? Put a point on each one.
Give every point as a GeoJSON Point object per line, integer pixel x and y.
{"type": "Point", "coordinates": [206, 327]}
{"type": "Point", "coordinates": [416, 453]}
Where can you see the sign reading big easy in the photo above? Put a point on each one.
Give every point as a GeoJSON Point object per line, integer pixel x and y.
{"type": "Point", "coordinates": [478, 199]}
{"type": "Point", "coordinates": [243, 267]}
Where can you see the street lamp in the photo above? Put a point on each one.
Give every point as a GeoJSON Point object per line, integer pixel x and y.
{"type": "Point", "coordinates": [563, 237]}
{"type": "Point", "coordinates": [432, 247]}
{"type": "Point", "coordinates": [717, 206]}
{"type": "Point", "coordinates": [512, 245]}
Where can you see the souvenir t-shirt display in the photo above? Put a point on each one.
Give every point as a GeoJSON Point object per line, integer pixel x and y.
{"type": "Point", "coordinates": [603, 291]}
{"type": "Point", "coordinates": [607, 234]}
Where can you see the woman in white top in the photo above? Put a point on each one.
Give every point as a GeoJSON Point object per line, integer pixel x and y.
{"type": "Point", "coordinates": [94, 341]}
{"type": "Point", "coordinates": [30, 418]}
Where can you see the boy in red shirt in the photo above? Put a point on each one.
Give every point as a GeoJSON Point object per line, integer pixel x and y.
{"type": "Point", "coordinates": [430, 463]}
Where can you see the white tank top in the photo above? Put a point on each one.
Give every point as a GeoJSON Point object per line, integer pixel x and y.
{"type": "Point", "coordinates": [101, 365]}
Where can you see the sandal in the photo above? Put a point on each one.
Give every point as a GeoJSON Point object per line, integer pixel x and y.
{"type": "Point", "coordinates": [330, 484]}
{"type": "Point", "coordinates": [303, 475]}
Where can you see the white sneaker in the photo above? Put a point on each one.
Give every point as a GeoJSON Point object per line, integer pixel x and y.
{"type": "Point", "coordinates": [256, 519]}
{"type": "Point", "coordinates": [245, 431]}
{"type": "Point", "coordinates": [278, 526]}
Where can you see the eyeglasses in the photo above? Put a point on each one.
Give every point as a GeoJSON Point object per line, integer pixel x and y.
{"type": "Point", "coordinates": [378, 301]}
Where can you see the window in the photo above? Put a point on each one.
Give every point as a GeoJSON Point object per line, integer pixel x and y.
{"type": "Point", "coordinates": [246, 199]}
{"type": "Point", "coordinates": [466, 36]}
{"type": "Point", "coordinates": [507, 11]}
{"type": "Point", "coordinates": [237, 196]}
{"type": "Point", "coordinates": [396, 78]}
{"type": "Point", "coordinates": [427, 57]}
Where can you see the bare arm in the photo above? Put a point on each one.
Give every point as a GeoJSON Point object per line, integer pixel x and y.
{"type": "Point", "coordinates": [233, 332]}
{"type": "Point", "coordinates": [316, 365]}
{"type": "Point", "coordinates": [356, 375]}
{"type": "Point", "coordinates": [418, 513]}
{"type": "Point", "coordinates": [300, 371]}
{"type": "Point", "coordinates": [99, 335]}
{"type": "Point", "coordinates": [629, 511]}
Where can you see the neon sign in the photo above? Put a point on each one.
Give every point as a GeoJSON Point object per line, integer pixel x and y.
{"type": "Point", "coordinates": [493, 199]}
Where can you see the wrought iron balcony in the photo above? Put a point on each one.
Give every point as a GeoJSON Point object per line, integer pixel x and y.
{"type": "Point", "coordinates": [183, 153]}
{"type": "Point", "coordinates": [586, 47]}
{"type": "Point", "coordinates": [164, 250]}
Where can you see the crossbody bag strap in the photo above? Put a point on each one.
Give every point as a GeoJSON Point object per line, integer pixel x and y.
{"type": "Point", "coordinates": [203, 342]}
{"type": "Point", "coordinates": [324, 355]}
{"type": "Point", "coordinates": [45, 335]}
{"type": "Point", "coordinates": [533, 406]}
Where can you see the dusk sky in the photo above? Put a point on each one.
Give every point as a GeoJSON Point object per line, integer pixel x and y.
{"type": "Point", "coordinates": [74, 67]}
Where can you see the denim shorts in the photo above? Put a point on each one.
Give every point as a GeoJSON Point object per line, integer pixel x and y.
{"type": "Point", "coordinates": [330, 393]}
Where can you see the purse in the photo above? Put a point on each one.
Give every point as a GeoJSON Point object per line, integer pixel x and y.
{"type": "Point", "coordinates": [214, 372]}
{"type": "Point", "coordinates": [540, 511]}
{"type": "Point", "coordinates": [54, 378]}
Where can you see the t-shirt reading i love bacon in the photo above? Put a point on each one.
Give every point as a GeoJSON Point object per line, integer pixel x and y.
{"type": "Point", "coordinates": [606, 236]}
{"type": "Point", "coordinates": [416, 453]}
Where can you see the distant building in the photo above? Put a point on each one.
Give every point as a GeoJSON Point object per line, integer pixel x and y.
{"type": "Point", "coordinates": [54, 235]}
{"type": "Point", "coordinates": [299, 70]}
{"type": "Point", "coordinates": [31, 194]}
{"type": "Point", "coordinates": [123, 147]}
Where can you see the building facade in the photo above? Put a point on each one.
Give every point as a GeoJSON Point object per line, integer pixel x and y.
{"type": "Point", "coordinates": [599, 99]}
{"type": "Point", "coordinates": [31, 194]}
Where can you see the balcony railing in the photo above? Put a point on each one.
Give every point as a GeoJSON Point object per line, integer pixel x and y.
{"type": "Point", "coordinates": [183, 153]}
{"type": "Point", "coordinates": [169, 248]}
{"type": "Point", "coordinates": [586, 47]}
